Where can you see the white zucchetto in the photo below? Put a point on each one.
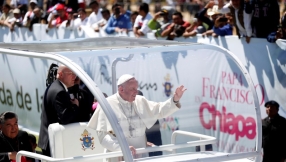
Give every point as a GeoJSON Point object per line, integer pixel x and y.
{"type": "Point", "coordinates": [124, 78]}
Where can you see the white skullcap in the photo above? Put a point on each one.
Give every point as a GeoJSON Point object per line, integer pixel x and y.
{"type": "Point", "coordinates": [124, 78]}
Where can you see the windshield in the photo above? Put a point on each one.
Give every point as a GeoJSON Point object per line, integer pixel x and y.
{"type": "Point", "coordinates": [218, 101]}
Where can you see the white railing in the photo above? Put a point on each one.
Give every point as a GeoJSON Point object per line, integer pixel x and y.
{"type": "Point", "coordinates": [203, 138]}
{"type": "Point", "coordinates": [206, 140]}
{"type": "Point", "coordinates": [173, 146]}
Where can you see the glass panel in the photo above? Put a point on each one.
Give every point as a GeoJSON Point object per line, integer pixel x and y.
{"type": "Point", "coordinates": [218, 101]}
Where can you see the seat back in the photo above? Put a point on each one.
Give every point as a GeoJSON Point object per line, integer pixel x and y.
{"type": "Point", "coordinates": [73, 140]}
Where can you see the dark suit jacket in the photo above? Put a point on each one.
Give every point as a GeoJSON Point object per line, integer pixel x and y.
{"type": "Point", "coordinates": [273, 139]}
{"type": "Point", "coordinates": [21, 142]}
{"type": "Point", "coordinates": [57, 108]}
{"type": "Point", "coordinates": [85, 103]}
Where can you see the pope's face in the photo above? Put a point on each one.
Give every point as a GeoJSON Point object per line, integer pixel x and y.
{"type": "Point", "coordinates": [129, 90]}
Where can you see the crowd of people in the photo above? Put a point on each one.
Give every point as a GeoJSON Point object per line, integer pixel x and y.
{"type": "Point", "coordinates": [244, 18]}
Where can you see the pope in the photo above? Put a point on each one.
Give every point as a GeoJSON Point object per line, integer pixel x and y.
{"type": "Point", "coordinates": [134, 112]}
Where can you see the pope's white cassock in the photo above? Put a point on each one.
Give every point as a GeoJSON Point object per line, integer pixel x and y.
{"type": "Point", "coordinates": [133, 117]}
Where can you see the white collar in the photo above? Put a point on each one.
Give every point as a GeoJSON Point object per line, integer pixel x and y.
{"type": "Point", "coordinates": [64, 86]}
{"type": "Point", "coordinates": [121, 100]}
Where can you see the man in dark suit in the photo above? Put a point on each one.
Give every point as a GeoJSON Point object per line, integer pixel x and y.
{"type": "Point", "coordinates": [12, 139]}
{"type": "Point", "coordinates": [273, 134]}
{"type": "Point", "coordinates": [58, 107]}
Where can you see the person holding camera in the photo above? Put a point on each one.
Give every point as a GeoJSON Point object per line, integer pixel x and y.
{"type": "Point", "coordinates": [177, 28]}
{"type": "Point", "coordinates": [117, 23]}
{"type": "Point", "coordinates": [69, 23]}
{"type": "Point", "coordinates": [241, 19]}
{"type": "Point", "coordinates": [58, 17]}
{"type": "Point", "coordinates": [197, 27]}
{"type": "Point", "coordinates": [222, 27]}
{"type": "Point", "coordinates": [161, 20]}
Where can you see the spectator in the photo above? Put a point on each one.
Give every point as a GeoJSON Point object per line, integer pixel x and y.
{"type": "Point", "coordinates": [124, 12]}
{"type": "Point", "coordinates": [177, 28]}
{"type": "Point", "coordinates": [82, 18]}
{"type": "Point", "coordinates": [133, 18]}
{"type": "Point", "coordinates": [213, 13]}
{"type": "Point", "coordinates": [6, 15]}
{"type": "Point", "coordinates": [16, 20]}
{"type": "Point", "coordinates": [12, 139]}
{"type": "Point", "coordinates": [102, 23]}
{"type": "Point", "coordinates": [201, 15]}
{"type": "Point", "coordinates": [69, 23]}
{"type": "Point", "coordinates": [96, 15]}
{"type": "Point", "coordinates": [117, 23]}
{"type": "Point", "coordinates": [273, 134]}
{"type": "Point", "coordinates": [265, 19]}
{"type": "Point", "coordinates": [141, 23]}
{"type": "Point", "coordinates": [20, 4]}
{"type": "Point", "coordinates": [58, 107]}
{"type": "Point", "coordinates": [159, 26]}
{"type": "Point", "coordinates": [198, 27]}
{"type": "Point", "coordinates": [62, 16]}
{"type": "Point", "coordinates": [281, 33]}
{"type": "Point", "coordinates": [30, 14]}
{"type": "Point", "coordinates": [222, 27]}
{"type": "Point", "coordinates": [242, 20]}
{"type": "Point", "coordinates": [37, 19]}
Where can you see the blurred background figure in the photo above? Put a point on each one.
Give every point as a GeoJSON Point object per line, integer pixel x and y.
{"type": "Point", "coordinates": [161, 20]}
{"type": "Point", "coordinates": [30, 14]}
{"type": "Point", "coordinates": [80, 19]}
{"type": "Point", "coordinates": [95, 104]}
{"type": "Point", "coordinates": [7, 13]}
{"type": "Point", "coordinates": [141, 23]}
{"type": "Point", "coordinates": [133, 18]}
{"type": "Point", "coordinates": [177, 28]}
